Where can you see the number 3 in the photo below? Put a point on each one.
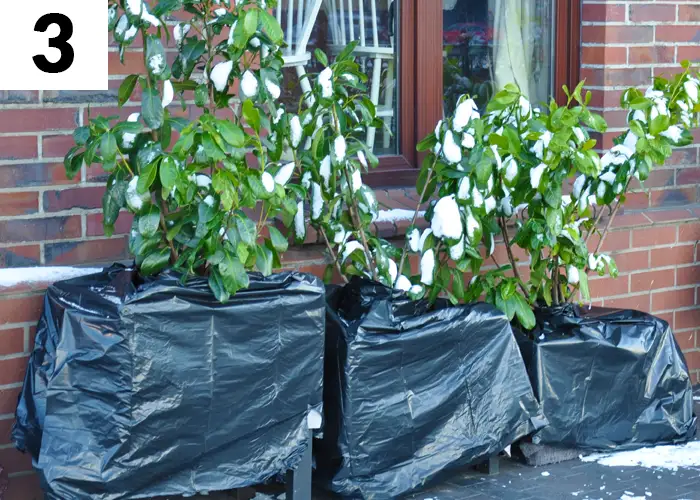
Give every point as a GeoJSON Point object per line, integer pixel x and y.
{"type": "Point", "coordinates": [59, 42]}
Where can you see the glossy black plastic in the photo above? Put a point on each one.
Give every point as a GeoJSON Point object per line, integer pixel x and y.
{"type": "Point", "coordinates": [608, 379]}
{"type": "Point", "coordinates": [140, 388]}
{"type": "Point", "coordinates": [412, 390]}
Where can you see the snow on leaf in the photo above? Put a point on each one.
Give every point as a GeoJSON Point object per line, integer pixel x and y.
{"type": "Point", "coordinates": [203, 180]}
{"type": "Point", "coordinates": [285, 173]}
{"type": "Point", "coordinates": [446, 220]}
{"type": "Point", "coordinates": [219, 75]}
{"type": "Point", "coordinates": [674, 133]}
{"type": "Point", "coordinates": [457, 250]}
{"type": "Point", "coordinates": [572, 275]}
{"type": "Point", "coordinates": [356, 181]}
{"type": "Point", "coordinates": [413, 240]}
{"type": "Point", "coordinates": [427, 267]}
{"type": "Point", "coordinates": [489, 204]}
{"type": "Point", "coordinates": [463, 114]}
{"type": "Point", "coordinates": [536, 175]}
{"type": "Point", "coordinates": [477, 197]}
{"type": "Point", "coordinates": [299, 222]}
{"type": "Point", "coordinates": [316, 201]}
{"type": "Point", "coordinates": [349, 248]}
{"type": "Point", "coordinates": [295, 131]}
{"type": "Point", "coordinates": [273, 89]}
{"type": "Point", "coordinates": [249, 84]}
{"type": "Point", "coordinates": [325, 170]}
{"type": "Point", "coordinates": [326, 83]}
{"type": "Point", "coordinates": [463, 189]}
{"type": "Point", "coordinates": [339, 148]}
{"type": "Point", "coordinates": [450, 149]}
{"type": "Point", "coordinates": [168, 93]}
{"type": "Point", "coordinates": [578, 186]}
{"type": "Point", "coordinates": [403, 284]}
{"type": "Point", "coordinates": [268, 182]}
{"type": "Point", "coordinates": [608, 177]}
{"type": "Point", "coordinates": [511, 167]}
{"type": "Point", "coordinates": [468, 140]}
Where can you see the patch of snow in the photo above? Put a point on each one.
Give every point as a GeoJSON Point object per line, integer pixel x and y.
{"type": "Point", "coordinates": [209, 200]}
{"type": "Point", "coordinates": [203, 180]}
{"type": "Point", "coordinates": [545, 474]}
{"type": "Point", "coordinates": [268, 182]}
{"type": "Point", "coordinates": [325, 170]}
{"type": "Point", "coordinates": [403, 284]}
{"type": "Point", "coordinates": [536, 175]}
{"type": "Point", "coordinates": [489, 204]}
{"type": "Point", "coordinates": [468, 140]}
{"type": "Point", "coordinates": [249, 84]}
{"type": "Point", "coordinates": [673, 133]}
{"type": "Point", "coordinates": [477, 197]}
{"type": "Point", "coordinates": [525, 108]}
{"type": "Point", "coordinates": [398, 214]}
{"type": "Point", "coordinates": [339, 148]}
{"type": "Point", "coordinates": [349, 248]}
{"type": "Point", "coordinates": [578, 186]}
{"type": "Point", "coordinates": [299, 222]}
{"type": "Point", "coordinates": [326, 83]}
{"type": "Point", "coordinates": [273, 89]}
{"type": "Point", "coordinates": [450, 149]}
{"type": "Point", "coordinates": [295, 131]}
{"type": "Point", "coordinates": [668, 457]}
{"type": "Point", "coordinates": [134, 199]}
{"type": "Point", "coordinates": [427, 267]}
{"type": "Point", "coordinates": [511, 168]}
{"type": "Point", "coordinates": [306, 180]}
{"type": "Point", "coordinates": [168, 93]}
{"type": "Point", "coordinates": [316, 201]}
{"type": "Point", "coordinates": [446, 221]}
{"type": "Point", "coordinates": [472, 226]}
{"type": "Point", "coordinates": [180, 32]}
{"type": "Point", "coordinates": [463, 114]}
{"type": "Point", "coordinates": [463, 189]}
{"type": "Point", "coordinates": [285, 173]}
{"type": "Point", "coordinates": [691, 88]}
{"type": "Point", "coordinates": [356, 181]}
{"type": "Point", "coordinates": [457, 250]}
{"type": "Point", "coordinates": [254, 42]}
{"type": "Point", "coordinates": [15, 276]}
{"type": "Point", "coordinates": [156, 63]}
{"type": "Point", "coordinates": [219, 75]}
{"type": "Point", "coordinates": [363, 159]}
{"type": "Point", "coordinates": [413, 239]}
{"type": "Point", "coordinates": [580, 137]}
{"type": "Point", "coordinates": [608, 177]}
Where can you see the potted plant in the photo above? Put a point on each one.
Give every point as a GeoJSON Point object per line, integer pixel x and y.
{"type": "Point", "coordinates": [505, 175]}
{"type": "Point", "coordinates": [197, 369]}
{"type": "Point", "coordinates": [411, 387]}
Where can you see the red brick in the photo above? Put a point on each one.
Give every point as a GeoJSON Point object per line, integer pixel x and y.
{"type": "Point", "coordinates": [600, 54]}
{"type": "Point", "coordinates": [617, 34]}
{"type": "Point", "coordinates": [667, 317]}
{"type": "Point", "coordinates": [615, 118]}
{"type": "Point", "coordinates": [15, 461]}
{"type": "Point", "coordinates": [11, 341]}
{"type": "Point", "coordinates": [689, 13]}
{"type": "Point", "coordinates": [133, 63]}
{"type": "Point", "coordinates": [18, 148]}
{"type": "Point", "coordinates": [650, 12]}
{"type": "Point", "coordinates": [56, 146]}
{"type": "Point", "coordinates": [686, 340]}
{"type": "Point", "coordinates": [635, 201]}
{"type": "Point", "coordinates": [65, 199]}
{"type": "Point", "coordinates": [614, 241]}
{"type": "Point", "coordinates": [122, 226]}
{"type": "Point", "coordinates": [688, 319]}
{"type": "Point", "coordinates": [693, 360]}
{"type": "Point", "coordinates": [673, 299]}
{"type": "Point", "coordinates": [609, 98]}
{"type": "Point", "coordinates": [8, 400]}
{"type": "Point", "coordinates": [689, 232]}
{"type": "Point", "coordinates": [52, 228]}
{"type": "Point", "coordinates": [638, 303]}
{"type": "Point", "coordinates": [18, 96]}
{"type": "Point", "coordinates": [613, 77]}
{"type": "Point", "coordinates": [689, 53]}
{"type": "Point", "coordinates": [79, 252]}
{"type": "Point", "coordinates": [36, 120]}
{"type": "Point", "coordinates": [630, 220]}
{"type": "Point", "coordinates": [20, 310]}
{"type": "Point", "coordinates": [600, 12]}
{"type": "Point", "coordinates": [671, 197]}
{"type": "Point", "coordinates": [24, 488]}
{"type": "Point", "coordinates": [5, 431]}
{"type": "Point", "coordinates": [632, 261]}
{"type": "Point", "coordinates": [672, 256]}
{"type": "Point", "coordinates": [669, 215]}
{"type": "Point", "coordinates": [683, 156]}
{"type": "Point", "coordinates": [20, 256]}
{"type": "Point", "coordinates": [12, 370]}
{"type": "Point", "coordinates": [688, 176]}
{"type": "Point", "coordinates": [667, 72]}
{"type": "Point", "coordinates": [678, 33]}
{"type": "Point", "coordinates": [652, 54]}
{"type": "Point", "coordinates": [652, 280]}
{"type": "Point", "coordinates": [33, 174]}
{"type": "Point", "coordinates": [19, 203]}
{"type": "Point", "coordinates": [688, 275]}
{"type": "Point", "coordinates": [653, 236]}
{"type": "Point", "coordinates": [608, 287]}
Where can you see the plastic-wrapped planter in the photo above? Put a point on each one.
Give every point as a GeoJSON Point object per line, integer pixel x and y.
{"type": "Point", "coordinates": [411, 391]}
{"type": "Point", "coordinates": [146, 388]}
{"type": "Point", "coordinates": [608, 379]}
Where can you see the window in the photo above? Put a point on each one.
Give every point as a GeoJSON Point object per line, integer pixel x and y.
{"type": "Point", "coordinates": [421, 55]}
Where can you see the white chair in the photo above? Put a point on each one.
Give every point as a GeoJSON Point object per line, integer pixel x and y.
{"type": "Point", "coordinates": [297, 33]}
{"type": "Point", "coordinates": [343, 15]}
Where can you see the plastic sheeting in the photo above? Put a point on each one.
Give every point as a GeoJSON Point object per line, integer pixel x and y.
{"type": "Point", "coordinates": [608, 379]}
{"type": "Point", "coordinates": [146, 388]}
{"type": "Point", "coordinates": [411, 391]}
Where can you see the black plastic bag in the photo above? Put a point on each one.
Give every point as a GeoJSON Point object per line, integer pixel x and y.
{"type": "Point", "coordinates": [608, 379]}
{"type": "Point", "coordinates": [145, 388]}
{"type": "Point", "coordinates": [411, 391]}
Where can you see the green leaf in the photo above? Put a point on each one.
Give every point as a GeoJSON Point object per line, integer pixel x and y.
{"type": "Point", "coordinates": [156, 60]}
{"type": "Point", "coordinates": [155, 262]}
{"type": "Point", "coordinates": [263, 260]}
{"type": "Point", "coordinates": [216, 283]}
{"type": "Point", "coordinates": [554, 221]}
{"type": "Point", "coordinates": [113, 200]}
{"type": "Point", "coordinates": [659, 124]}
{"type": "Point", "coordinates": [583, 286]}
{"type": "Point", "coordinates": [168, 173]}
{"type": "Point", "coordinates": [427, 143]}
{"type": "Point", "coordinates": [252, 115]}
{"type": "Point", "coordinates": [328, 274]}
{"type": "Point", "coordinates": [321, 57]}
{"type": "Point", "coordinates": [250, 22]}
{"type": "Point", "coordinates": [524, 313]}
{"type": "Point", "coordinates": [152, 108]}
{"type": "Point", "coordinates": [148, 175]}
{"type": "Point", "coordinates": [279, 242]}
{"type": "Point", "coordinates": [126, 89]}
{"type": "Point", "coordinates": [232, 133]}
{"type": "Point", "coordinates": [81, 135]}
{"type": "Point", "coordinates": [247, 231]}
{"type": "Point", "coordinates": [108, 148]}
{"type": "Point", "coordinates": [73, 162]}
{"type": "Point", "coordinates": [149, 221]}
{"type": "Point", "coordinates": [234, 275]}
{"type": "Point", "coordinates": [271, 27]}
{"type": "Point", "coordinates": [201, 95]}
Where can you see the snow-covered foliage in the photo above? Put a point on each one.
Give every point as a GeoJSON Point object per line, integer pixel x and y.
{"type": "Point", "coordinates": [191, 198]}
{"type": "Point", "coordinates": [520, 156]}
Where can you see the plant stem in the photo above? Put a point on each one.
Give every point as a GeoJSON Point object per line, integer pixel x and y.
{"type": "Point", "coordinates": [415, 216]}
{"type": "Point", "coordinates": [355, 215]}
{"type": "Point", "coordinates": [164, 227]}
{"type": "Point", "coordinates": [511, 258]}
{"type": "Point", "coordinates": [555, 280]}
{"type": "Point", "coordinates": [336, 262]}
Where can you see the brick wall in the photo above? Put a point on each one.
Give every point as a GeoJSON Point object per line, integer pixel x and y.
{"type": "Point", "coordinates": [46, 219]}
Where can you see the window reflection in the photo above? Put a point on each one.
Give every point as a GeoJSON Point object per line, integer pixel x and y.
{"type": "Point", "coordinates": [332, 25]}
{"type": "Point", "coordinates": [488, 43]}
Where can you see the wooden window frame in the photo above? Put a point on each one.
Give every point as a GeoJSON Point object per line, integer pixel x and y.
{"type": "Point", "coordinates": [421, 86]}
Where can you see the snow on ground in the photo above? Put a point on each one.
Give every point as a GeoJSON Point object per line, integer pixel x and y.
{"type": "Point", "coordinates": [669, 457]}
{"type": "Point", "coordinates": [15, 276]}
